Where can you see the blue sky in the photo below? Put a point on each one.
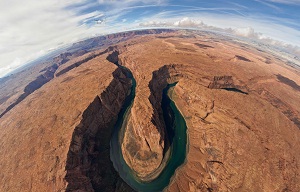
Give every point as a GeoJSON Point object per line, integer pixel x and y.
{"type": "Point", "coordinates": [35, 28]}
{"type": "Point", "coordinates": [282, 12]}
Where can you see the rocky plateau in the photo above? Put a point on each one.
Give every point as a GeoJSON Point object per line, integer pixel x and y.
{"type": "Point", "coordinates": [241, 106]}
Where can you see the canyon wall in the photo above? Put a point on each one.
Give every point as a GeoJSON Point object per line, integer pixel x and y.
{"type": "Point", "coordinates": [241, 107]}
{"type": "Point", "coordinates": [88, 164]}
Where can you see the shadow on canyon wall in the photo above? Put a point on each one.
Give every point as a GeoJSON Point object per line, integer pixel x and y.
{"type": "Point", "coordinates": [88, 164]}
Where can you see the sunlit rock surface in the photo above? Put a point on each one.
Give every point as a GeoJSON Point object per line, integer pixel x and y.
{"type": "Point", "coordinates": [240, 103]}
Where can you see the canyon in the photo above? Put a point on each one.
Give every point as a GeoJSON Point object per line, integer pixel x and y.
{"type": "Point", "coordinates": [240, 106]}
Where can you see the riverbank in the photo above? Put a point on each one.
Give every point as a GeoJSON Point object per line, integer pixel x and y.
{"type": "Point", "coordinates": [174, 157]}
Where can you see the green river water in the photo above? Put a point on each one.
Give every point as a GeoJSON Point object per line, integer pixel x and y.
{"type": "Point", "coordinates": [176, 128]}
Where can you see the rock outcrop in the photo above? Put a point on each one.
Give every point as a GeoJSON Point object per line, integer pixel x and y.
{"type": "Point", "coordinates": [227, 83]}
{"type": "Point", "coordinates": [139, 151]}
{"type": "Point", "coordinates": [242, 115]}
{"type": "Point", "coordinates": [88, 165]}
{"type": "Point", "coordinates": [42, 79]}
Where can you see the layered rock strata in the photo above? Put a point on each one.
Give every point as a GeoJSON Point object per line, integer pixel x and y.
{"type": "Point", "coordinates": [56, 138]}
{"type": "Point", "coordinates": [88, 164]}
{"type": "Point", "coordinates": [147, 155]}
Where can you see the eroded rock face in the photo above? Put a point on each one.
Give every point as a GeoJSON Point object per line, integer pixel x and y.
{"type": "Point", "coordinates": [88, 165]}
{"type": "Point", "coordinates": [242, 116]}
{"type": "Point", "coordinates": [42, 79]}
{"type": "Point", "coordinates": [225, 106]}
{"type": "Point", "coordinates": [227, 83]}
{"type": "Point", "coordinates": [144, 148]}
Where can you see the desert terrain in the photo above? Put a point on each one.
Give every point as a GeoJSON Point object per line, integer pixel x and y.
{"type": "Point", "coordinates": [240, 103]}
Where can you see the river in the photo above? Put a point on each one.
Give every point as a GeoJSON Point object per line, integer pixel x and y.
{"type": "Point", "coordinates": [177, 132]}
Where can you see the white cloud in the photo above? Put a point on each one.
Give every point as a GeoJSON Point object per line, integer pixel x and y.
{"type": "Point", "coordinates": [245, 32]}
{"type": "Point", "coordinates": [187, 22]}
{"type": "Point", "coordinates": [273, 34]}
{"type": "Point", "coordinates": [131, 2]}
{"type": "Point", "coordinates": [271, 5]}
{"type": "Point", "coordinates": [25, 31]}
{"type": "Point", "coordinates": [293, 2]}
{"type": "Point", "coordinates": [121, 4]}
{"type": "Point", "coordinates": [249, 32]}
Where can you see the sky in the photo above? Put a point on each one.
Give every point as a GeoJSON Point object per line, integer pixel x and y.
{"type": "Point", "coordinates": [30, 29]}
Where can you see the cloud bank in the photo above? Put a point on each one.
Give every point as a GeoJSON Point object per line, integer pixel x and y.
{"type": "Point", "coordinates": [28, 32]}
{"type": "Point", "coordinates": [247, 32]}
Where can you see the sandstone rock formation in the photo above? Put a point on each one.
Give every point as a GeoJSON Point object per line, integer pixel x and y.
{"type": "Point", "coordinates": [242, 115]}
{"type": "Point", "coordinates": [88, 164]}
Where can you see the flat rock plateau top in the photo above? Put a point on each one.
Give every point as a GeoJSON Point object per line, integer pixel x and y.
{"type": "Point", "coordinates": [241, 104]}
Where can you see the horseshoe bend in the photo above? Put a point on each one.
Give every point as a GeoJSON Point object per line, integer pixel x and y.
{"type": "Point", "coordinates": [153, 110]}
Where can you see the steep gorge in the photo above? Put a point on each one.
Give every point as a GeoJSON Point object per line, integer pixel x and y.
{"type": "Point", "coordinates": [41, 80]}
{"type": "Point", "coordinates": [135, 154]}
{"type": "Point", "coordinates": [88, 165]}
{"type": "Point", "coordinates": [242, 118]}
{"type": "Point", "coordinates": [173, 126]}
